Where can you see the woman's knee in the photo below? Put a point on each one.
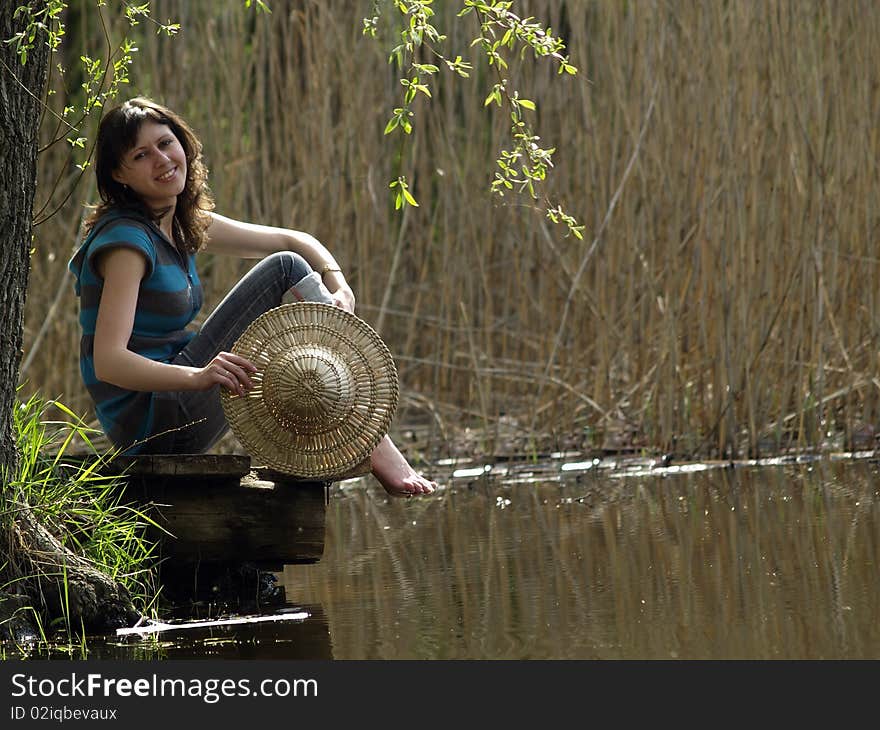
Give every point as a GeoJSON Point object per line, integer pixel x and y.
{"type": "Point", "coordinates": [293, 266]}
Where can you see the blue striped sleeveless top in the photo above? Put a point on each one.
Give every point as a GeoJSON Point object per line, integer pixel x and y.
{"type": "Point", "coordinates": [169, 297]}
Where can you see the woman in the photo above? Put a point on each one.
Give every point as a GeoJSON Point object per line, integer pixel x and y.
{"type": "Point", "coordinates": [155, 383]}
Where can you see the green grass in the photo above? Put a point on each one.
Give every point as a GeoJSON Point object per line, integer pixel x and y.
{"type": "Point", "coordinates": [84, 509]}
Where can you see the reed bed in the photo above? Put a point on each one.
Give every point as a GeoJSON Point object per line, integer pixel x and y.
{"type": "Point", "coordinates": [721, 155]}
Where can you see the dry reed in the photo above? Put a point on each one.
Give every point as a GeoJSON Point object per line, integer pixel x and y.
{"type": "Point", "coordinates": [721, 155]}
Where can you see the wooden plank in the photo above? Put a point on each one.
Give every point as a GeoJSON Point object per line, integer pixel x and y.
{"type": "Point", "coordinates": [182, 465]}
{"type": "Point", "coordinates": [229, 466]}
{"type": "Point", "coordinates": [271, 524]}
{"type": "Point", "coordinates": [217, 508]}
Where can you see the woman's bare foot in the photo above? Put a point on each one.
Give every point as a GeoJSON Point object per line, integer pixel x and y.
{"type": "Point", "coordinates": [393, 472]}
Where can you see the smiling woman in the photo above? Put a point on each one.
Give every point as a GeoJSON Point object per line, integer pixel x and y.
{"type": "Point", "coordinates": [156, 168]}
{"type": "Point", "coordinates": [155, 382]}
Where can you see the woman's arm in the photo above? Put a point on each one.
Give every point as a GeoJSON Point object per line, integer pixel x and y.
{"type": "Point", "coordinates": [249, 240]}
{"type": "Point", "coordinates": [122, 270]}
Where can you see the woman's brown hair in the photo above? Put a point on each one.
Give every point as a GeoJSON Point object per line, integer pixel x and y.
{"type": "Point", "coordinates": [117, 134]}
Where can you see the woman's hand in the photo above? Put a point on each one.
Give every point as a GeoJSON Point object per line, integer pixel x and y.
{"type": "Point", "coordinates": [344, 297]}
{"type": "Point", "coordinates": [227, 370]}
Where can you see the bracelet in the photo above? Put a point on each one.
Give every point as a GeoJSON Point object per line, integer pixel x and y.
{"type": "Point", "coordinates": [327, 268]}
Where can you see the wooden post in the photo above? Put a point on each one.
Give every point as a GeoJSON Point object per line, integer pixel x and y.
{"type": "Point", "coordinates": [216, 508]}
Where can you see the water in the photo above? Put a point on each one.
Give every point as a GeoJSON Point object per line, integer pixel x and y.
{"type": "Point", "coordinates": [767, 562]}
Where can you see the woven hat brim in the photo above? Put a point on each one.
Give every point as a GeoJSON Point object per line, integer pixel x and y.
{"type": "Point", "coordinates": [270, 437]}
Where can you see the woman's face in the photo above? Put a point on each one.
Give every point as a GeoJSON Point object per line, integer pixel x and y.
{"type": "Point", "coordinates": [155, 168]}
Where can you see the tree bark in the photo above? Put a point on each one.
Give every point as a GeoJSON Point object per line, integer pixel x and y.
{"type": "Point", "coordinates": [68, 584]}
{"type": "Point", "coordinates": [21, 92]}
{"type": "Point", "coordinates": [88, 595]}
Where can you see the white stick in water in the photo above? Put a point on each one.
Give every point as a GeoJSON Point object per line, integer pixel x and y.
{"type": "Point", "coordinates": [155, 627]}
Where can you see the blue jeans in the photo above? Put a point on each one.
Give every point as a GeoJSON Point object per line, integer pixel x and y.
{"type": "Point", "coordinates": [190, 422]}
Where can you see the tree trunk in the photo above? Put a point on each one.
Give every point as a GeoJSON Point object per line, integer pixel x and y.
{"type": "Point", "coordinates": [65, 581]}
{"type": "Point", "coordinates": [21, 90]}
{"type": "Point", "coordinates": [67, 584]}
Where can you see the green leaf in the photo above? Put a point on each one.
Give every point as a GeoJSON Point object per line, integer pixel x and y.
{"type": "Point", "coordinates": [495, 96]}
{"type": "Point", "coordinates": [526, 103]}
{"type": "Point", "coordinates": [409, 198]}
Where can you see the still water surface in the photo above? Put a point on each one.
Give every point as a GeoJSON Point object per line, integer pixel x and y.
{"type": "Point", "coordinates": [759, 563]}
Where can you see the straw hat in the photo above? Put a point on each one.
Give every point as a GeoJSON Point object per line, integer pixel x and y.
{"type": "Point", "coordinates": [324, 392]}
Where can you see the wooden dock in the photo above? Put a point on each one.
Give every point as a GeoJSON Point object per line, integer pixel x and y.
{"type": "Point", "coordinates": [218, 508]}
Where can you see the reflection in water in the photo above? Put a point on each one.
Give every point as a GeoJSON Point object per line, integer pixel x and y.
{"type": "Point", "coordinates": [774, 562]}
{"type": "Point", "coordinates": [308, 638]}
{"type": "Point", "coordinates": [771, 562]}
